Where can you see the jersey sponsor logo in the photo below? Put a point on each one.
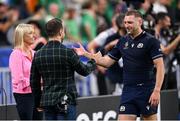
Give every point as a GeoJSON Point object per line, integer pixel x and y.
{"type": "Point", "coordinates": [122, 108]}
{"type": "Point", "coordinates": [160, 50]}
{"type": "Point", "coordinates": [132, 45]}
{"type": "Point", "coordinates": [147, 107]}
{"type": "Point", "coordinates": [126, 45]}
{"type": "Point", "coordinates": [141, 84]}
{"type": "Point", "coordinates": [140, 45]}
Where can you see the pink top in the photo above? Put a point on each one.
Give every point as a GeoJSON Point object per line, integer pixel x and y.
{"type": "Point", "coordinates": [20, 66]}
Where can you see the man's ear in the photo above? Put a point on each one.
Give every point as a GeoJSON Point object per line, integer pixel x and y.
{"type": "Point", "coordinates": [140, 21]}
{"type": "Point", "coordinates": [60, 33]}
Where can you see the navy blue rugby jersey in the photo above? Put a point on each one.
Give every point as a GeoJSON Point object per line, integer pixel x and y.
{"type": "Point", "coordinates": [138, 55]}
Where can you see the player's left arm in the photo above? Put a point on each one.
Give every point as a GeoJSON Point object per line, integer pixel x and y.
{"type": "Point", "coordinates": [155, 96]}
{"type": "Point", "coordinates": [159, 73]}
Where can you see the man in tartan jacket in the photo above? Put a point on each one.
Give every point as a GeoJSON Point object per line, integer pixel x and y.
{"type": "Point", "coordinates": [55, 65]}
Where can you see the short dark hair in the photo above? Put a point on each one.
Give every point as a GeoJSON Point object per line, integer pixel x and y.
{"type": "Point", "coordinates": [133, 12]}
{"type": "Point", "coordinates": [119, 20]}
{"type": "Point", "coordinates": [53, 27]}
{"type": "Point", "coordinates": [160, 16]}
{"type": "Point", "coordinates": [35, 23]}
{"type": "Point", "coordinates": [38, 7]}
{"type": "Point", "coordinates": [87, 5]}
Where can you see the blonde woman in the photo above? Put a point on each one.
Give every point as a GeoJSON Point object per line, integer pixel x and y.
{"type": "Point", "coordinates": [20, 64]}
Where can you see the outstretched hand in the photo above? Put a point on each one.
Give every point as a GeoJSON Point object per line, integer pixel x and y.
{"type": "Point", "coordinates": [80, 51]}
{"type": "Point", "coordinates": [97, 55]}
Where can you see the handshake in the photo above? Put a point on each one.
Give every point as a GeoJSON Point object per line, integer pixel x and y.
{"type": "Point", "coordinates": [82, 52]}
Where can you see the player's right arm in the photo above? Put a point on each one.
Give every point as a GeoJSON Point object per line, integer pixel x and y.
{"type": "Point", "coordinates": [104, 61]}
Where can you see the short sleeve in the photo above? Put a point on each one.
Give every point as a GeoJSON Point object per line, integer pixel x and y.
{"type": "Point", "coordinates": [155, 49]}
{"type": "Point", "coordinates": [115, 53]}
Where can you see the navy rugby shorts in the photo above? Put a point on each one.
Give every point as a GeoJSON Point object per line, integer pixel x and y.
{"type": "Point", "coordinates": [135, 100]}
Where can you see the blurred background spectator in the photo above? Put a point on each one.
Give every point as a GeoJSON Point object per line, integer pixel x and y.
{"type": "Point", "coordinates": [39, 40]}
{"type": "Point", "coordinates": [169, 43]}
{"type": "Point", "coordinates": [72, 24]}
{"type": "Point", "coordinates": [8, 16]}
{"type": "Point", "coordinates": [88, 22]}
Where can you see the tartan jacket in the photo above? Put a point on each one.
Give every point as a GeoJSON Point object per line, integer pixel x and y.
{"type": "Point", "coordinates": [55, 64]}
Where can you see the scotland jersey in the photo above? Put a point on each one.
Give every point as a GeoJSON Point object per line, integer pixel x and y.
{"type": "Point", "coordinates": [138, 55]}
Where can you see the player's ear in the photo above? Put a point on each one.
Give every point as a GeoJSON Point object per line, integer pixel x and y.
{"type": "Point", "coordinates": [140, 21]}
{"type": "Point", "coordinates": [60, 33]}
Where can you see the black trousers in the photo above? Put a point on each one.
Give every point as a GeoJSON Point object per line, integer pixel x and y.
{"type": "Point", "coordinates": [101, 84]}
{"type": "Point", "coordinates": [24, 105]}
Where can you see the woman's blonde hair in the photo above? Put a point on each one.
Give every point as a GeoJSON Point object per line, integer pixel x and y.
{"type": "Point", "coordinates": [20, 30]}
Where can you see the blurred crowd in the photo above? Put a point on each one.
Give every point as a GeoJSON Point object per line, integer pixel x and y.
{"type": "Point", "coordinates": [93, 22]}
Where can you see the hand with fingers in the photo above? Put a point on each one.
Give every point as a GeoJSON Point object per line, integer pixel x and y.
{"type": "Point", "coordinates": [80, 51]}
{"type": "Point", "coordinates": [155, 98]}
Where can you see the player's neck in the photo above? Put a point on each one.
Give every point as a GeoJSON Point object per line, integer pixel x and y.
{"type": "Point", "coordinates": [137, 33]}
{"type": "Point", "coordinates": [55, 39]}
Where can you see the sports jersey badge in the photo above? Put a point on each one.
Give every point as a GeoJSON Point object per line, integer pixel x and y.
{"type": "Point", "coordinates": [126, 45]}
{"type": "Point", "coordinates": [132, 45]}
{"type": "Point", "coordinates": [140, 45]}
{"type": "Point", "coordinates": [122, 108]}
